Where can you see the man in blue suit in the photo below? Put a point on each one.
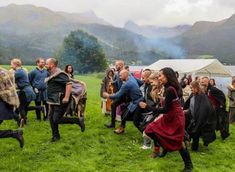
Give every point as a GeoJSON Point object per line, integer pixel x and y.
{"type": "Point", "coordinates": [129, 88]}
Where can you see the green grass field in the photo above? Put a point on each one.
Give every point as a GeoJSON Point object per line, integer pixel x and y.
{"type": "Point", "coordinates": [99, 149]}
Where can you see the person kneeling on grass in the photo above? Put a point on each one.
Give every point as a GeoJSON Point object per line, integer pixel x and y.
{"type": "Point", "coordinates": [59, 91]}
{"type": "Point", "coordinates": [168, 130]}
{"type": "Point", "coordinates": [8, 102]}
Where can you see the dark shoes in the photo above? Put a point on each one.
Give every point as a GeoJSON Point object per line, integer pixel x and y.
{"type": "Point", "coordinates": [109, 125]}
{"type": "Point", "coordinates": [225, 135]}
{"type": "Point", "coordinates": [188, 166]}
{"type": "Point", "coordinates": [163, 153]}
{"type": "Point", "coordinates": [156, 153]}
{"type": "Point", "coordinates": [55, 139]}
{"type": "Point", "coordinates": [18, 135]}
{"type": "Point", "coordinates": [81, 123]}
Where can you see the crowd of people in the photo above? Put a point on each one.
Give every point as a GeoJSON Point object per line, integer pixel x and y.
{"type": "Point", "coordinates": [168, 111]}
{"type": "Point", "coordinates": [47, 85]}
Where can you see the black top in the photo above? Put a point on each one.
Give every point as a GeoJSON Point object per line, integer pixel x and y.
{"type": "Point", "coordinates": [217, 94]}
{"type": "Point", "coordinates": [169, 97]}
{"type": "Point", "coordinates": [147, 95]}
{"type": "Point", "coordinates": [56, 88]}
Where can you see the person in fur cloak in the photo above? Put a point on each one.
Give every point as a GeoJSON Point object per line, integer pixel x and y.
{"type": "Point", "coordinates": [59, 90]}
{"type": "Point", "coordinates": [8, 102]}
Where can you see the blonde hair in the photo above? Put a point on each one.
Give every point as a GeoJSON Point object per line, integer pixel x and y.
{"type": "Point", "coordinates": [154, 75]}
{"type": "Point", "coordinates": [155, 89]}
{"type": "Point", "coordinates": [17, 62]}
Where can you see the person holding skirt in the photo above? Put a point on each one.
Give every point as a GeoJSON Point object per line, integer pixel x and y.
{"type": "Point", "coordinates": [168, 130]}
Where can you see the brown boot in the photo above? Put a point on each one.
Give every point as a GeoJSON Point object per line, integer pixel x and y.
{"type": "Point", "coordinates": [119, 130]}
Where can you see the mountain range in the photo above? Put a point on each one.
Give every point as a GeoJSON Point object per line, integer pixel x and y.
{"type": "Point", "coordinates": [214, 38]}
{"type": "Point", "coordinates": [29, 31]}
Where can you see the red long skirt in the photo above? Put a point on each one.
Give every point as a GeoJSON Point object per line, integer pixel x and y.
{"type": "Point", "coordinates": [169, 128]}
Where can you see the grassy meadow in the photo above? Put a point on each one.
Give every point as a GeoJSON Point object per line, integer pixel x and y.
{"type": "Point", "coordinates": [99, 149]}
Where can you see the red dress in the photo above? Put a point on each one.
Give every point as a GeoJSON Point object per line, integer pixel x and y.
{"type": "Point", "coordinates": [169, 128]}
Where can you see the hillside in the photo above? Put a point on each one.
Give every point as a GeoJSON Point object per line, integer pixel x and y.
{"type": "Point", "coordinates": [29, 31]}
{"type": "Point", "coordinates": [214, 38]}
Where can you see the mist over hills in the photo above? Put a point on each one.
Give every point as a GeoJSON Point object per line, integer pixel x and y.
{"type": "Point", "coordinates": [28, 31]}
{"type": "Point", "coordinates": [156, 32]}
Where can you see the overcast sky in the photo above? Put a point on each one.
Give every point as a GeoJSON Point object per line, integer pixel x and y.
{"type": "Point", "coordinates": [151, 12]}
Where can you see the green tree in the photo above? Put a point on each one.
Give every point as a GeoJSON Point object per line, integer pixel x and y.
{"type": "Point", "coordinates": [82, 51]}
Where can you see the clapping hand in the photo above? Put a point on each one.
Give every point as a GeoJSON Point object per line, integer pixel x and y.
{"type": "Point", "coordinates": [105, 95]}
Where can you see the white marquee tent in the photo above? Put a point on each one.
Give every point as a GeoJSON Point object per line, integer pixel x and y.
{"type": "Point", "coordinates": [203, 67]}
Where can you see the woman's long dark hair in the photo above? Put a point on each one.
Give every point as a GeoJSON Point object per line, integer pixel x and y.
{"type": "Point", "coordinates": [170, 74]}
{"type": "Point", "coordinates": [66, 69]}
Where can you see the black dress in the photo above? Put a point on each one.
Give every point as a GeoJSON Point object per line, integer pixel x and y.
{"type": "Point", "coordinates": [202, 121]}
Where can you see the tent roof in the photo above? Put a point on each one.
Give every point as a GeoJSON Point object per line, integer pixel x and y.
{"type": "Point", "coordinates": [207, 67]}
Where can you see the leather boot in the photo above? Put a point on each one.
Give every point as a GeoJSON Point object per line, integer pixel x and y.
{"type": "Point", "coordinates": [18, 135]}
{"type": "Point", "coordinates": [188, 166]}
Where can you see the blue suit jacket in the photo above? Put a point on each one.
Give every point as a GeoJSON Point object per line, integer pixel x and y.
{"type": "Point", "coordinates": [132, 90]}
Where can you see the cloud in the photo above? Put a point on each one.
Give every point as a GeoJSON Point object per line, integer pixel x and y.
{"type": "Point", "coordinates": [152, 12]}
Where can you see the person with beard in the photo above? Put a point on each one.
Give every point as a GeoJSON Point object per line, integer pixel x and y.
{"type": "Point", "coordinates": [201, 117]}
{"type": "Point", "coordinates": [231, 96]}
{"type": "Point", "coordinates": [8, 102]}
{"type": "Point", "coordinates": [168, 130]}
{"type": "Point", "coordinates": [218, 100]}
{"type": "Point", "coordinates": [25, 91]}
{"type": "Point", "coordinates": [37, 77]}
{"type": "Point", "coordinates": [129, 88]}
{"type": "Point", "coordinates": [59, 90]}
{"type": "Point", "coordinates": [117, 83]}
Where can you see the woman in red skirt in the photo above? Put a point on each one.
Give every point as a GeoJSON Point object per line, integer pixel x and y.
{"type": "Point", "coordinates": [168, 129]}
